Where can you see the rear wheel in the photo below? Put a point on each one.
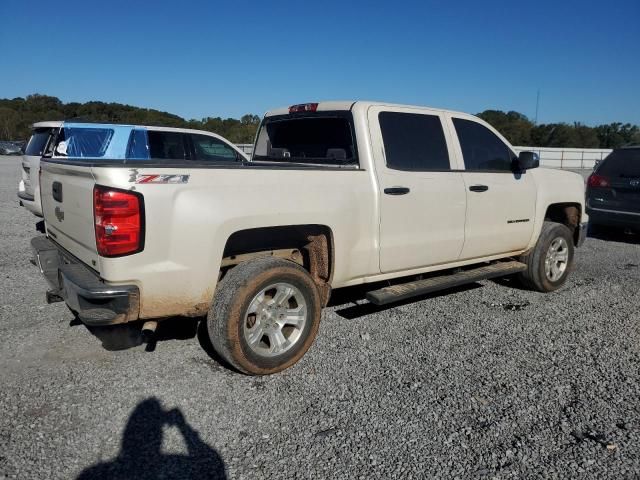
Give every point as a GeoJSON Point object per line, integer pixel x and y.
{"type": "Point", "coordinates": [551, 260]}
{"type": "Point", "coordinates": [265, 315]}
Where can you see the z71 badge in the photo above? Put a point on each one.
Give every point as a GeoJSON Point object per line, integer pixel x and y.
{"type": "Point", "coordinates": [162, 178]}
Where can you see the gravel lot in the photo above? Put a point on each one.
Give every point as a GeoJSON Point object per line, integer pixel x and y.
{"type": "Point", "coordinates": [487, 381]}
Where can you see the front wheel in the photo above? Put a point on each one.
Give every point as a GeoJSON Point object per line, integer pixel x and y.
{"type": "Point", "coordinates": [551, 260]}
{"type": "Point", "coordinates": [265, 315]}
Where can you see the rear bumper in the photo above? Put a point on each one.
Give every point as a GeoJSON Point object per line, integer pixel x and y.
{"type": "Point", "coordinates": [95, 302]}
{"type": "Point", "coordinates": [613, 218]}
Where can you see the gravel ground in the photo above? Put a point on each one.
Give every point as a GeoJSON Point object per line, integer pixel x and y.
{"type": "Point", "coordinates": [487, 381]}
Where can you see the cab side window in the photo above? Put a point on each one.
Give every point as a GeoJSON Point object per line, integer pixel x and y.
{"type": "Point", "coordinates": [211, 149]}
{"type": "Point", "coordinates": [414, 142]}
{"type": "Point", "coordinates": [167, 145]}
{"type": "Point", "coordinates": [482, 150]}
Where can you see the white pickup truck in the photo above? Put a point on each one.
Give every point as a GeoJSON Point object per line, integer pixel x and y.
{"type": "Point", "coordinates": [408, 200]}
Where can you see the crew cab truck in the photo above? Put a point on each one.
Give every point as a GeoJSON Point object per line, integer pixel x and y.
{"type": "Point", "coordinates": [407, 199]}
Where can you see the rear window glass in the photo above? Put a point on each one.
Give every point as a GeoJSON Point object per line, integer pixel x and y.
{"type": "Point", "coordinates": [624, 162]}
{"type": "Point", "coordinates": [138, 147]}
{"type": "Point", "coordinates": [321, 140]}
{"type": "Point", "coordinates": [167, 145]}
{"type": "Point", "coordinates": [83, 142]}
{"type": "Point", "coordinates": [211, 149]}
{"type": "Point", "coordinates": [413, 141]}
{"type": "Point", "coordinates": [38, 142]}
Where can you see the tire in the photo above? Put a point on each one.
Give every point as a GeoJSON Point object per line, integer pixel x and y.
{"type": "Point", "coordinates": [537, 276]}
{"type": "Point", "coordinates": [252, 303]}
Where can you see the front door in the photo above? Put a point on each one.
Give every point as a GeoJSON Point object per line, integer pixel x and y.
{"type": "Point", "coordinates": [500, 203]}
{"type": "Point", "coordinates": [422, 199]}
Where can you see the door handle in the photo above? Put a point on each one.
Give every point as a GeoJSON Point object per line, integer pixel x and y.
{"type": "Point", "coordinates": [56, 191]}
{"type": "Point", "coordinates": [396, 190]}
{"type": "Point", "coordinates": [478, 188]}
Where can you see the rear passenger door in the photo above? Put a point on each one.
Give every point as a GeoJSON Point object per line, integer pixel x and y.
{"type": "Point", "coordinates": [422, 198]}
{"type": "Point", "coordinates": [500, 202]}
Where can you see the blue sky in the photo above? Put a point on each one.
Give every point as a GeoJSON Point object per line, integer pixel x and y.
{"type": "Point", "coordinates": [208, 58]}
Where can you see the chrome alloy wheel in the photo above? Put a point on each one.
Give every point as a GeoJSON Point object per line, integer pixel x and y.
{"type": "Point", "coordinates": [275, 320]}
{"type": "Point", "coordinates": [557, 259]}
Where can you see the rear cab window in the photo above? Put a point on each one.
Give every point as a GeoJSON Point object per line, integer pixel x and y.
{"type": "Point", "coordinates": [90, 141]}
{"type": "Point", "coordinates": [325, 138]}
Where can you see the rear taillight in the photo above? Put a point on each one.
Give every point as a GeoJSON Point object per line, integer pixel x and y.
{"type": "Point", "coordinates": [598, 181]}
{"type": "Point", "coordinates": [303, 107]}
{"type": "Point", "coordinates": [118, 218]}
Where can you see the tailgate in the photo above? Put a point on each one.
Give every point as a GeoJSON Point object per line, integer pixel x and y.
{"type": "Point", "coordinates": [66, 193]}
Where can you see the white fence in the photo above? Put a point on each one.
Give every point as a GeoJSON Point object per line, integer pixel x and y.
{"type": "Point", "coordinates": [572, 158]}
{"type": "Point", "coordinates": [245, 147]}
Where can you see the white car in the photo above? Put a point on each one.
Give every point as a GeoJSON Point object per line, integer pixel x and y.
{"type": "Point", "coordinates": [48, 138]}
{"type": "Point", "coordinates": [405, 199]}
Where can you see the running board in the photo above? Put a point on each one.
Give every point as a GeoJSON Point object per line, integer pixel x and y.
{"type": "Point", "coordinates": [396, 293]}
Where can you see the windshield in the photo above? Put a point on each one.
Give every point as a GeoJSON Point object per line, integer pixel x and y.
{"type": "Point", "coordinates": [323, 140]}
{"type": "Point", "coordinates": [38, 142]}
{"type": "Point", "coordinates": [624, 162]}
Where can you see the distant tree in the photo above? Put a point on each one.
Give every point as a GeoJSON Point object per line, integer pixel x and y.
{"type": "Point", "coordinates": [8, 120]}
{"type": "Point", "coordinates": [585, 137]}
{"type": "Point", "coordinates": [520, 131]}
{"type": "Point", "coordinates": [37, 102]}
{"type": "Point", "coordinates": [515, 126]}
{"type": "Point", "coordinates": [541, 134]}
{"type": "Point", "coordinates": [617, 134]}
{"type": "Point", "coordinates": [18, 114]}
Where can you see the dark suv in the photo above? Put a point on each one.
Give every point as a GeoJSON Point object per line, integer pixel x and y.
{"type": "Point", "coordinates": [613, 190]}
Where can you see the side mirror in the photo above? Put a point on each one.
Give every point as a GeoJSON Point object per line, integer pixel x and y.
{"type": "Point", "coordinates": [527, 161]}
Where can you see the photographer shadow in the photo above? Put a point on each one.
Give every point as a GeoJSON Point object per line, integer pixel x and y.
{"type": "Point", "coordinates": [141, 455]}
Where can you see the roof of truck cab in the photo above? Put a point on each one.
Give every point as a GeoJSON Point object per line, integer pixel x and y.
{"type": "Point", "coordinates": [144, 127]}
{"type": "Point", "coordinates": [364, 104]}
{"type": "Point", "coordinates": [85, 124]}
{"type": "Point", "coordinates": [48, 124]}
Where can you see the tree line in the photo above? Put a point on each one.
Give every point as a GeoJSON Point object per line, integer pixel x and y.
{"type": "Point", "coordinates": [17, 115]}
{"type": "Point", "coordinates": [519, 130]}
